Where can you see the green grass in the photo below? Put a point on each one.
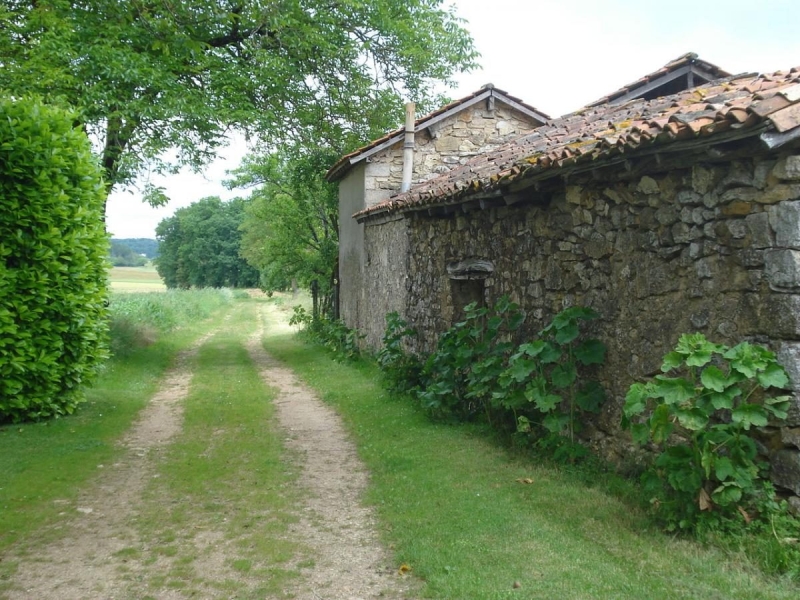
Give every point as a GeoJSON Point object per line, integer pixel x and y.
{"type": "Point", "coordinates": [451, 507]}
{"type": "Point", "coordinates": [135, 279]}
{"type": "Point", "coordinates": [226, 473]}
{"type": "Point", "coordinates": [138, 319]}
{"type": "Point", "coordinates": [169, 310]}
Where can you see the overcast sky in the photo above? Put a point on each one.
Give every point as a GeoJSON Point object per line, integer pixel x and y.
{"type": "Point", "coordinates": [556, 56]}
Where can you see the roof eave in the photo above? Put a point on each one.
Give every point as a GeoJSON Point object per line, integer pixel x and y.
{"type": "Point", "coordinates": [769, 138]}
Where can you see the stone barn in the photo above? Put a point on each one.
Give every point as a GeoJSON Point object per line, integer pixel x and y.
{"type": "Point", "coordinates": [444, 139]}
{"type": "Point", "coordinates": [668, 214]}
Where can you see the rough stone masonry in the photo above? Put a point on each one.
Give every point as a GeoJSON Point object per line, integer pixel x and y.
{"type": "Point", "coordinates": [712, 247]}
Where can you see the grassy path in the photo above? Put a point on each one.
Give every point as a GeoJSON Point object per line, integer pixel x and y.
{"type": "Point", "coordinates": [211, 494]}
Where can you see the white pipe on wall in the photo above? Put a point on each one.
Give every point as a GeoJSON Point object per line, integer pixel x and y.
{"type": "Point", "coordinates": [408, 148]}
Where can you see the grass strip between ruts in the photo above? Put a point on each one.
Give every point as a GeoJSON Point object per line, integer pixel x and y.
{"type": "Point", "coordinates": [454, 507]}
{"type": "Point", "coordinates": [225, 477]}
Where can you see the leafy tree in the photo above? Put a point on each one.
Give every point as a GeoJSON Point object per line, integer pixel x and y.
{"type": "Point", "coordinates": [152, 76]}
{"type": "Point", "coordinates": [123, 256]}
{"type": "Point", "coordinates": [199, 246]}
{"type": "Point", "coordinates": [53, 247]}
{"type": "Point", "coordinates": [291, 226]}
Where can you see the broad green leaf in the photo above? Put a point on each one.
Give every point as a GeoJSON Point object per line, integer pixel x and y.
{"type": "Point", "coordinates": [521, 369]}
{"type": "Point", "coordinates": [714, 379]}
{"type": "Point", "coordinates": [696, 349]}
{"type": "Point", "coordinates": [723, 468]}
{"type": "Point", "coordinates": [567, 333]}
{"type": "Point", "coordinates": [724, 400]}
{"type": "Point", "coordinates": [742, 449]}
{"type": "Point", "coordinates": [726, 494]}
{"type": "Point", "coordinates": [773, 376]}
{"type": "Point", "coordinates": [673, 390]}
{"type": "Point", "coordinates": [636, 399]}
{"type": "Point", "coordinates": [672, 360]}
{"type": "Point", "coordinates": [706, 461]}
{"type": "Point", "coordinates": [778, 406]}
{"type": "Point", "coordinates": [555, 423]}
{"type": "Point", "coordinates": [693, 419]}
{"type": "Point", "coordinates": [679, 464]}
{"type": "Point", "coordinates": [748, 415]}
{"type": "Point", "coordinates": [550, 354]}
{"type": "Point", "coordinates": [640, 433]}
{"type": "Point", "coordinates": [563, 375]}
{"type": "Point", "coordinates": [548, 402]}
{"type": "Point", "coordinates": [590, 397]}
{"type": "Point", "coordinates": [532, 349]}
{"type": "Point", "coordinates": [660, 425]}
{"type": "Point", "coordinates": [516, 320]}
{"type": "Point", "coordinates": [591, 352]}
{"type": "Point", "coordinates": [748, 359]}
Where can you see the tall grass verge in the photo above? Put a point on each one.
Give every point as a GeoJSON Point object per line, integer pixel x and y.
{"type": "Point", "coordinates": [137, 320]}
{"type": "Point", "coordinates": [476, 522]}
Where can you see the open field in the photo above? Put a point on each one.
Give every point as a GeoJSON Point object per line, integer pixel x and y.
{"type": "Point", "coordinates": [135, 279]}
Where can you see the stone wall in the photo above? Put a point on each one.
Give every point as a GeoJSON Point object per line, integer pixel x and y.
{"type": "Point", "coordinates": [453, 141]}
{"type": "Point", "coordinates": [713, 248]}
{"type": "Point", "coordinates": [385, 287]}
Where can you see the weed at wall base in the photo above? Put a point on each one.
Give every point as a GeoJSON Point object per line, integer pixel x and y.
{"type": "Point", "coordinates": [700, 414]}
{"type": "Point", "coordinates": [540, 388]}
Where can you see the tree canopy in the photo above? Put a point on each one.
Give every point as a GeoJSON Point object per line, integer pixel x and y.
{"type": "Point", "coordinates": [291, 224]}
{"type": "Point", "coordinates": [199, 246]}
{"type": "Point", "coordinates": [152, 76]}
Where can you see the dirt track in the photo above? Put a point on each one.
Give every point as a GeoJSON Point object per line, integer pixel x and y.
{"type": "Point", "coordinates": [89, 558]}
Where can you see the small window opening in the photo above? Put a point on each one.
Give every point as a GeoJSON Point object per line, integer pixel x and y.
{"type": "Point", "coordinates": [464, 293]}
{"type": "Point", "coordinates": [468, 284]}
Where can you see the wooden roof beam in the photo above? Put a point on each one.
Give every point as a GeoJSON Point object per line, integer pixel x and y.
{"type": "Point", "coordinates": [656, 83]}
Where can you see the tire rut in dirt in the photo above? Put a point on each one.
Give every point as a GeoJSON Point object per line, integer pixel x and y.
{"type": "Point", "coordinates": [350, 563]}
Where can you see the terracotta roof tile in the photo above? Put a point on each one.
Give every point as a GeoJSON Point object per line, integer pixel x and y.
{"type": "Point", "coordinates": [602, 132]}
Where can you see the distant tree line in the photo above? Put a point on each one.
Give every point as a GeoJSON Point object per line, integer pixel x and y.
{"type": "Point", "coordinates": [123, 255]}
{"type": "Point", "coordinates": [199, 246]}
{"type": "Point", "coordinates": [146, 246]}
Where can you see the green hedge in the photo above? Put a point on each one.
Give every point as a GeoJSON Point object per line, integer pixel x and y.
{"type": "Point", "coordinates": [53, 248]}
